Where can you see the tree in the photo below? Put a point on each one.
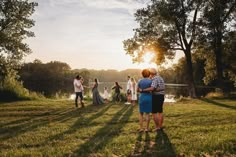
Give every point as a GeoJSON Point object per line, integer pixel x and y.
{"type": "Point", "coordinates": [230, 56]}
{"type": "Point", "coordinates": [166, 27]}
{"type": "Point", "coordinates": [218, 20]}
{"type": "Point", "coordinates": [15, 23]}
{"type": "Point", "coordinates": [49, 79]}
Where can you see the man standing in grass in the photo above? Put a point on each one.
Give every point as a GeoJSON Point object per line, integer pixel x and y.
{"type": "Point", "coordinates": [78, 87]}
{"type": "Point", "coordinates": [158, 94]}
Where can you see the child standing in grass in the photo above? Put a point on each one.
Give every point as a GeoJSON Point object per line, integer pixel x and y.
{"type": "Point", "coordinates": [117, 89]}
{"type": "Point", "coordinates": [106, 94]}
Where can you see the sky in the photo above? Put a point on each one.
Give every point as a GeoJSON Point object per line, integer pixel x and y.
{"type": "Point", "coordinates": [85, 33]}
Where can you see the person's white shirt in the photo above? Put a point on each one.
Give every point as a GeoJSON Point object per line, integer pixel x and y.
{"type": "Point", "coordinates": [77, 86]}
{"type": "Point", "coordinates": [129, 85]}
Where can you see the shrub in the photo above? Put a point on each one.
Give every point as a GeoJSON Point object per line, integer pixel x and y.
{"type": "Point", "coordinates": [11, 90]}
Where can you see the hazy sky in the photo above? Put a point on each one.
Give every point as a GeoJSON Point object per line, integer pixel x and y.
{"type": "Point", "coordinates": [84, 33]}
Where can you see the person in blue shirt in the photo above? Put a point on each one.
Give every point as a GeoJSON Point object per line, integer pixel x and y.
{"type": "Point", "coordinates": [145, 99]}
{"type": "Point", "coordinates": [158, 96]}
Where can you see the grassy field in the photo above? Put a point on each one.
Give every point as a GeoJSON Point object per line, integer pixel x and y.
{"type": "Point", "coordinates": [203, 127]}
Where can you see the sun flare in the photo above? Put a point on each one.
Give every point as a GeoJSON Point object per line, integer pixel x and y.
{"type": "Point", "coordinates": [148, 61]}
{"type": "Point", "coordinates": [148, 57]}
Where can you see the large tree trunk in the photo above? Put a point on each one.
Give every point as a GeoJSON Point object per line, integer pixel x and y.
{"type": "Point", "coordinates": [190, 80]}
{"type": "Point", "coordinates": [218, 55]}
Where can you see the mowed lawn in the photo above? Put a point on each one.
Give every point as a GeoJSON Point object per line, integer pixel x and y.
{"type": "Point", "coordinates": [201, 127]}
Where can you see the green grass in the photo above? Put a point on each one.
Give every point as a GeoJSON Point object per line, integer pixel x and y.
{"type": "Point", "coordinates": [203, 127]}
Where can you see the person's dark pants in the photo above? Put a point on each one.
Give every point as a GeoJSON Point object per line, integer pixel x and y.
{"type": "Point", "coordinates": [117, 97]}
{"type": "Point", "coordinates": [78, 94]}
{"type": "Point", "coordinates": [157, 103]}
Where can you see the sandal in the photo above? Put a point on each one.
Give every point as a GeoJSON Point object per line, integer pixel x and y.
{"type": "Point", "coordinates": [158, 129]}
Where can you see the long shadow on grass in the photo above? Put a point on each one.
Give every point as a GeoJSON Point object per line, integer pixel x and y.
{"type": "Point", "coordinates": [105, 134]}
{"type": "Point", "coordinates": [160, 147]}
{"type": "Point", "coordinates": [53, 114]}
{"type": "Point", "coordinates": [218, 104]}
{"type": "Point", "coordinates": [163, 146]}
{"type": "Point", "coordinates": [80, 123]}
{"type": "Point", "coordinates": [18, 127]}
{"type": "Point", "coordinates": [138, 145]}
{"type": "Point", "coordinates": [143, 145]}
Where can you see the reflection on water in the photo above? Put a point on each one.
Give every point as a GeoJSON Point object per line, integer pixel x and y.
{"type": "Point", "coordinates": [72, 97]}
{"type": "Point", "coordinates": [168, 97]}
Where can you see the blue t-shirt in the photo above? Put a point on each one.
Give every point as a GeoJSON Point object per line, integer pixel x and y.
{"type": "Point", "coordinates": [144, 83]}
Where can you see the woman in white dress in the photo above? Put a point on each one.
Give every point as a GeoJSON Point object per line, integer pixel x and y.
{"type": "Point", "coordinates": [106, 94]}
{"type": "Point", "coordinates": [133, 91]}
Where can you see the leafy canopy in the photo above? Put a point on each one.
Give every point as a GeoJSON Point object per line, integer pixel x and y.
{"type": "Point", "coordinates": [15, 23]}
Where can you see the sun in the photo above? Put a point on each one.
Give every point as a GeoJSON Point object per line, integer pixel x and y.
{"type": "Point", "coordinates": [148, 61]}
{"type": "Point", "coordinates": [148, 57]}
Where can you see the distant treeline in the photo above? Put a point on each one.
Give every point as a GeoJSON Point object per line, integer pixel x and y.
{"type": "Point", "coordinates": [57, 77]}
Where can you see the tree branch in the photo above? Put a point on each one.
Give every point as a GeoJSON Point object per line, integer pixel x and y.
{"type": "Point", "coordinates": [175, 48]}
{"type": "Point", "coordinates": [179, 34]}
{"type": "Point", "coordinates": [194, 25]}
{"type": "Point", "coordinates": [183, 25]}
{"type": "Point", "coordinates": [228, 13]}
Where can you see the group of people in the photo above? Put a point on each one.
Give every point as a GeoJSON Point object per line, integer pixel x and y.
{"type": "Point", "coordinates": [79, 92]}
{"type": "Point", "coordinates": [151, 98]}
{"type": "Point", "coordinates": [98, 99]}
{"type": "Point", "coordinates": [131, 91]}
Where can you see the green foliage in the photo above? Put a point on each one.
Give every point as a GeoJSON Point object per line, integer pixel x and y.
{"type": "Point", "coordinates": [50, 79]}
{"type": "Point", "coordinates": [229, 57]}
{"type": "Point", "coordinates": [217, 23]}
{"type": "Point", "coordinates": [166, 27]}
{"type": "Point", "coordinates": [207, 55]}
{"type": "Point", "coordinates": [15, 23]}
{"type": "Point", "coordinates": [55, 79]}
{"type": "Point", "coordinates": [11, 89]}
